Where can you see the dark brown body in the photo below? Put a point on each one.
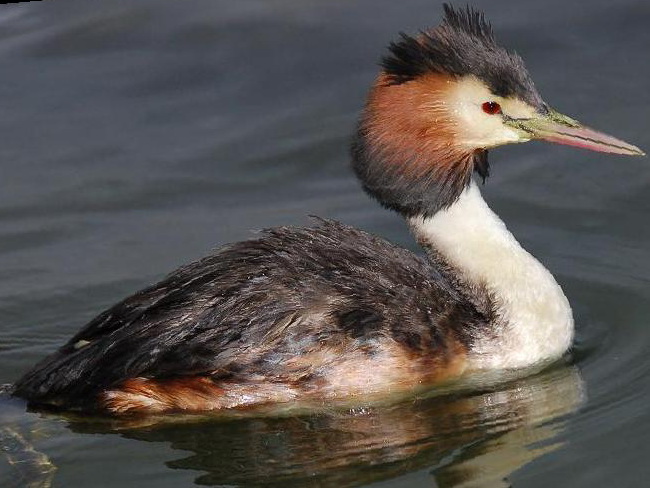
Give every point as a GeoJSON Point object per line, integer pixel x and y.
{"type": "Point", "coordinates": [299, 314]}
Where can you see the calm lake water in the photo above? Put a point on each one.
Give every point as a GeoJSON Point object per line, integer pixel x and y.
{"type": "Point", "coordinates": [137, 136]}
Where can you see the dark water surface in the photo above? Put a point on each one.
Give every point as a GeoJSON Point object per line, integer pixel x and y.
{"type": "Point", "coordinates": [137, 136]}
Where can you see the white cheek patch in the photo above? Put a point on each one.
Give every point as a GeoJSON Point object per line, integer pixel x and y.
{"type": "Point", "coordinates": [517, 109]}
{"type": "Point", "coordinates": [475, 128]}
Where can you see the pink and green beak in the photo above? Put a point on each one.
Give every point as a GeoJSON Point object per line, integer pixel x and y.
{"type": "Point", "coordinates": [558, 128]}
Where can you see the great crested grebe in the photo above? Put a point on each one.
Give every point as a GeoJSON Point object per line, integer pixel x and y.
{"type": "Point", "coordinates": [329, 312]}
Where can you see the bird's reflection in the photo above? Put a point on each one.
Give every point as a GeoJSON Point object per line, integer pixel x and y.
{"type": "Point", "coordinates": [473, 440]}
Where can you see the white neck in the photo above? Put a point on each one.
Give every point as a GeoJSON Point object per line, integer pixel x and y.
{"type": "Point", "coordinates": [535, 322]}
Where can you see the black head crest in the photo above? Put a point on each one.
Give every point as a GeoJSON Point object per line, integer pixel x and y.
{"type": "Point", "coordinates": [463, 44]}
{"type": "Point", "coordinates": [470, 21]}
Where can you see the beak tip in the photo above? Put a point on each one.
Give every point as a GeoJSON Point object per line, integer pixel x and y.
{"type": "Point", "coordinates": [636, 151]}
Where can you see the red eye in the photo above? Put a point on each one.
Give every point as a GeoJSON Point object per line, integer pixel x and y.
{"type": "Point", "coordinates": [491, 108]}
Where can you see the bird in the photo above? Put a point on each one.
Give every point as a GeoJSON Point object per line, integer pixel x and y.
{"type": "Point", "coordinates": [329, 313]}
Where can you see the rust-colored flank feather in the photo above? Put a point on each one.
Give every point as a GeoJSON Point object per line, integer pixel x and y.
{"type": "Point", "coordinates": [323, 374]}
{"type": "Point", "coordinates": [190, 394]}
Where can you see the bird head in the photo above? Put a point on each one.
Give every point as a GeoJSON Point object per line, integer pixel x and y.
{"type": "Point", "coordinates": [443, 98]}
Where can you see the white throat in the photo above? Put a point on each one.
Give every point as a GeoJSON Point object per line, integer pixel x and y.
{"type": "Point", "coordinates": [536, 324]}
